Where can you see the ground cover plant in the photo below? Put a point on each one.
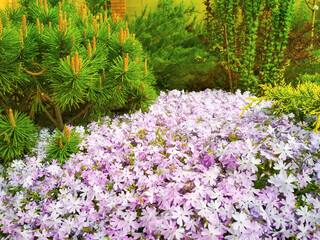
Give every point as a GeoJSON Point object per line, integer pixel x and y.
{"type": "Point", "coordinates": [190, 168]}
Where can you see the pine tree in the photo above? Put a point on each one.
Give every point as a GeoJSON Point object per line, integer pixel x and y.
{"type": "Point", "coordinates": [60, 63]}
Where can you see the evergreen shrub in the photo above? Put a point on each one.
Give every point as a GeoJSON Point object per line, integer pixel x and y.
{"type": "Point", "coordinates": [67, 64]}
{"type": "Point", "coordinates": [60, 65]}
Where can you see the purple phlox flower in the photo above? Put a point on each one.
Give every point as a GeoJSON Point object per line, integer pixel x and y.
{"type": "Point", "coordinates": [54, 169]}
{"type": "Point", "coordinates": [127, 222]}
{"type": "Point", "coordinates": [235, 234]}
{"type": "Point", "coordinates": [280, 221]}
{"type": "Point", "coordinates": [304, 178]}
{"type": "Point", "coordinates": [199, 189]}
{"type": "Point", "coordinates": [305, 215]}
{"type": "Point", "coordinates": [100, 235]}
{"type": "Point", "coordinates": [168, 229]}
{"type": "Point", "coordinates": [304, 232]}
{"type": "Point", "coordinates": [210, 176]}
{"type": "Point", "coordinates": [31, 216]}
{"type": "Point", "coordinates": [151, 194]}
{"type": "Point", "coordinates": [7, 225]}
{"type": "Point", "coordinates": [56, 208]}
{"type": "Point", "coordinates": [280, 165]}
{"type": "Point", "coordinates": [68, 226]}
{"type": "Point", "coordinates": [283, 149]}
{"type": "Point", "coordinates": [254, 231]}
{"type": "Point", "coordinates": [203, 209]}
{"type": "Point", "coordinates": [42, 235]}
{"type": "Point", "coordinates": [181, 214]}
{"type": "Point", "coordinates": [211, 233]}
{"type": "Point", "coordinates": [28, 181]}
{"type": "Point", "coordinates": [283, 182]}
{"type": "Point", "coordinates": [316, 168]}
{"type": "Point", "coordinates": [241, 221]}
{"type": "Point", "coordinates": [248, 162]}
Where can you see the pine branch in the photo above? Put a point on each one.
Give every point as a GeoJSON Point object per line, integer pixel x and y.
{"type": "Point", "coordinates": [49, 115]}
{"type": "Point", "coordinates": [84, 111]}
{"type": "Point", "coordinates": [57, 111]}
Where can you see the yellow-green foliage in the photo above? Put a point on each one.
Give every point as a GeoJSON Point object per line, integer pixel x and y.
{"type": "Point", "coordinates": [302, 100]}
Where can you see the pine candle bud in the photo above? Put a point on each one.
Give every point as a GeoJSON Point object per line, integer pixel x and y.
{"type": "Point", "coordinates": [104, 73]}
{"type": "Point", "coordinates": [11, 117]}
{"type": "Point", "coordinates": [65, 24]}
{"type": "Point", "coordinates": [60, 143]}
{"type": "Point", "coordinates": [127, 31]}
{"type": "Point", "coordinates": [5, 136]}
{"type": "Point", "coordinates": [85, 33]}
{"type": "Point", "coordinates": [121, 35]}
{"type": "Point", "coordinates": [14, 4]}
{"type": "Point", "coordinates": [38, 25]}
{"type": "Point", "coordinates": [89, 51]}
{"type": "Point", "coordinates": [133, 36]}
{"type": "Point", "coordinates": [50, 25]}
{"type": "Point", "coordinates": [40, 3]}
{"type": "Point", "coordinates": [101, 17]}
{"type": "Point", "coordinates": [73, 40]}
{"type": "Point", "coordinates": [67, 132]}
{"type": "Point", "coordinates": [24, 24]}
{"type": "Point", "coordinates": [60, 21]}
{"type": "Point", "coordinates": [94, 43]}
{"type": "Point", "coordinates": [126, 24]}
{"type": "Point", "coordinates": [109, 31]}
{"type": "Point", "coordinates": [80, 64]}
{"type": "Point", "coordinates": [45, 6]}
{"type": "Point", "coordinates": [124, 36]}
{"type": "Point", "coordinates": [145, 67]}
{"type": "Point", "coordinates": [72, 64]}
{"type": "Point", "coordinates": [76, 62]}
{"type": "Point", "coordinates": [1, 26]}
{"type": "Point", "coordinates": [21, 37]}
{"type": "Point", "coordinates": [68, 60]}
{"type": "Point", "coordinates": [100, 81]}
{"type": "Point", "coordinates": [59, 6]}
{"type": "Point", "coordinates": [86, 20]}
{"type": "Point", "coordinates": [105, 17]}
{"type": "Point", "coordinates": [126, 62]}
{"type": "Point", "coordinates": [94, 23]}
{"type": "Point", "coordinates": [143, 87]}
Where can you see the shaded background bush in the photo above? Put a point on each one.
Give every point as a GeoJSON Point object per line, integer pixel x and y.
{"type": "Point", "coordinates": [177, 56]}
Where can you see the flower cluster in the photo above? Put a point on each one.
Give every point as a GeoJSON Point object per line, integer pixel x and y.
{"type": "Point", "coordinates": [190, 168]}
